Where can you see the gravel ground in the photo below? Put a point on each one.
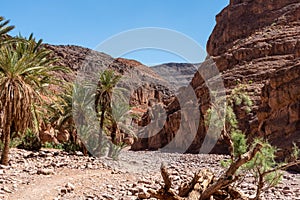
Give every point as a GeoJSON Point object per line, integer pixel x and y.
{"type": "Point", "coordinates": [53, 174]}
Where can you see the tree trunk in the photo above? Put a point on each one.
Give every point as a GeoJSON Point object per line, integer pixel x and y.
{"type": "Point", "coordinates": [5, 152]}
{"type": "Point", "coordinates": [100, 138]}
{"type": "Point", "coordinates": [111, 148]}
{"type": "Point", "coordinates": [113, 137]}
{"type": "Point", "coordinates": [260, 185]}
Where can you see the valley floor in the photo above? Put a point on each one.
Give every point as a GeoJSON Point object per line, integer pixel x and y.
{"type": "Point", "coordinates": [53, 174]}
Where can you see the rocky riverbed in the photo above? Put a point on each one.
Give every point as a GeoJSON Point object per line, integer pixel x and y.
{"type": "Point", "coordinates": [53, 174]}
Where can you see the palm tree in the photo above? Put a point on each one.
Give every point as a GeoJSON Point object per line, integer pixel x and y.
{"type": "Point", "coordinates": [61, 110]}
{"type": "Point", "coordinates": [25, 72]}
{"type": "Point", "coordinates": [82, 103]}
{"type": "Point", "coordinates": [4, 29]}
{"type": "Point", "coordinates": [72, 107]}
{"type": "Point", "coordinates": [123, 115]}
{"type": "Point", "coordinates": [107, 81]}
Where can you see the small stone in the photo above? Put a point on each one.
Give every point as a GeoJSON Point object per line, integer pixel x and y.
{"type": "Point", "coordinates": [143, 195]}
{"type": "Point", "coordinates": [63, 190]}
{"type": "Point", "coordinates": [45, 171]}
{"type": "Point", "coordinates": [70, 187]}
{"type": "Point", "coordinates": [145, 181]}
{"type": "Point", "coordinates": [4, 167]}
{"type": "Point", "coordinates": [110, 186]}
{"type": "Point", "coordinates": [108, 196]}
{"type": "Point", "coordinates": [133, 190]}
{"type": "Point", "coordinates": [286, 188]}
{"type": "Point", "coordinates": [5, 189]}
{"type": "Point", "coordinates": [79, 153]}
{"type": "Point", "coordinates": [176, 178]}
{"type": "Point", "coordinates": [89, 166]}
{"type": "Point", "coordinates": [141, 189]}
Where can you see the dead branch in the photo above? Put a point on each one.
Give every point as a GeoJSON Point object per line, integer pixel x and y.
{"type": "Point", "coordinates": [228, 177]}
{"type": "Point", "coordinates": [205, 178]}
{"type": "Point", "coordinates": [186, 188]}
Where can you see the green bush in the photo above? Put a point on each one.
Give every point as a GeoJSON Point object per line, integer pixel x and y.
{"type": "Point", "coordinates": [115, 150]}
{"type": "Point", "coordinates": [71, 146]}
{"type": "Point", "coordinates": [14, 142]}
{"type": "Point", "coordinates": [51, 145]}
{"type": "Point", "coordinates": [30, 141]}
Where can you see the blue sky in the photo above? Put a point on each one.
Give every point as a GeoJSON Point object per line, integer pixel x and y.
{"type": "Point", "coordinates": [88, 23]}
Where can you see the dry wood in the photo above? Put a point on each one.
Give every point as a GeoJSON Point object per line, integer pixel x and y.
{"type": "Point", "coordinates": [202, 182]}
{"type": "Point", "coordinates": [228, 177]}
{"type": "Point", "coordinates": [186, 188]}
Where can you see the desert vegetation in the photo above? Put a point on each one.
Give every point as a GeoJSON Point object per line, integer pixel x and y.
{"type": "Point", "coordinates": [32, 98]}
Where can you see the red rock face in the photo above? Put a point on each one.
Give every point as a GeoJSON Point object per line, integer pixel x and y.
{"type": "Point", "coordinates": [257, 43]}
{"type": "Point", "coordinates": [244, 17]}
{"type": "Point", "coordinates": [279, 113]}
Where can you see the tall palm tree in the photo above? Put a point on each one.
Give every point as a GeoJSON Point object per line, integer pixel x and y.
{"type": "Point", "coordinates": [25, 73]}
{"type": "Point", "coordinates": [4, 29]}
{"type": "Point", "coordinates": [107, 81]}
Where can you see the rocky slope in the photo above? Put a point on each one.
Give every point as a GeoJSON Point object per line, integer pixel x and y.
{"type": "Point", "coordinates": [177, 74]}
{"type": "Point", "coordinates": [257, 43]}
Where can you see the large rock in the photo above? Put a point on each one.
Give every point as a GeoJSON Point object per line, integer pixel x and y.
{"type": "Point", "coordinates": [257, 43]}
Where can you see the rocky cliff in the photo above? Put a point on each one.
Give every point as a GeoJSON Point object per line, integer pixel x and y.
{"type": "Point", "coordinates": [257, 43]}
{"type": "Point", "coordinates": [177, 74]}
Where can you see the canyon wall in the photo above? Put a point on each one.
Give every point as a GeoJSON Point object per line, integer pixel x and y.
{"type": "Point", "coordinates": [256, 43]}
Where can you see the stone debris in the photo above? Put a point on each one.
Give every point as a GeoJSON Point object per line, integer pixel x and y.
{"type": "Point", "coordinates": [128, 178]}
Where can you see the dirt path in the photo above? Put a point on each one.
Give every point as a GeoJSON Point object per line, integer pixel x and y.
{"type": "Point", "coordinates": [48, 187]}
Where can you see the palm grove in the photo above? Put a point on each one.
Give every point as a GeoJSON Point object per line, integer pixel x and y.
{"type": "Point", "coordinates": [28, 100]}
